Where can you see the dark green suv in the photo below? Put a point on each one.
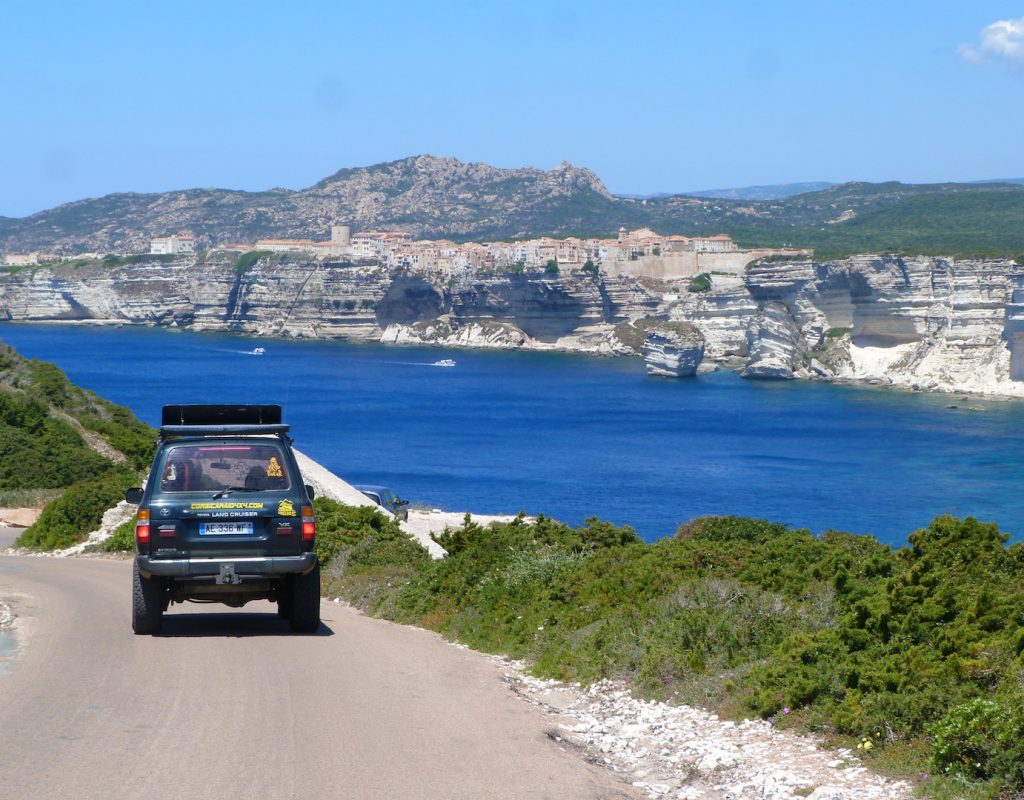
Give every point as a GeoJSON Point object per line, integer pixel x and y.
{"type": "Point", "coordinates": [224, 518]}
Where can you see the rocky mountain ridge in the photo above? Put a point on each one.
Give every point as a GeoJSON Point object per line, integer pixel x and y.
{"type": "Point", "coordinates": [434, 197]}
{"type": "Point", "coordinates": [922, 322]}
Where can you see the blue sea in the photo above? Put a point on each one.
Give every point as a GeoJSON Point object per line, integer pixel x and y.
{"type": "Point", "coordinates": [575, 436]}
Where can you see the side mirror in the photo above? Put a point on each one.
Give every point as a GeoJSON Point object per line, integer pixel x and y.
{"type": "Point", "coordinates": [133, 495]}
{"type": "Point", "coordinates": [310, 491]}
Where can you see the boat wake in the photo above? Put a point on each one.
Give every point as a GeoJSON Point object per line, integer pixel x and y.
{"type": "Point", "coordinates": [256, 351]}
{"type": "Point", "coordinates": [444, 362]}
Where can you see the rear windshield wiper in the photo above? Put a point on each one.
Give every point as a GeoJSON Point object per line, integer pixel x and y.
{"type": "Point", "coordinates": [229, 489]}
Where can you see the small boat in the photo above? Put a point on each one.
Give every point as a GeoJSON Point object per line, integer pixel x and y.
{"type": "Point", "coordinates": [258, 351]}
{"type": "Point", "coordinates": [444, 362]}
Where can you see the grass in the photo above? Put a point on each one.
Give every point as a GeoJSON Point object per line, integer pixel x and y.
{"type": "Point", "coordinates": [27, 498]}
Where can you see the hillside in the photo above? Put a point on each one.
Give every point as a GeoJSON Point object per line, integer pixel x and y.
{"type": "Point", "coordinates": [774, 191]}
{"type": "Point", "coordinates": [444, 197]}
{"type": "Point", "coordinates": [64, 444]}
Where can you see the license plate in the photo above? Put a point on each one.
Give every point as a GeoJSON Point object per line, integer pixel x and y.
{"type": "Point", "coordinates": [225, 528]}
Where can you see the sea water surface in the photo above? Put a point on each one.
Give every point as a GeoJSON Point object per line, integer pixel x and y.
{"type": "Point", "coordinates": [577, 436]}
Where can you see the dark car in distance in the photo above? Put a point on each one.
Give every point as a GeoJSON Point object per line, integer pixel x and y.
{"type": "Point", "coordinates": [386, 497]}
{"type": "Point", "coordinates": [224, 518]}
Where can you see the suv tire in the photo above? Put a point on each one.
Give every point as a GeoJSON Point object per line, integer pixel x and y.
{"type": "Point", "coordinates": [304, 616]}
{"type": "Point", "coordinates": [147, 603]}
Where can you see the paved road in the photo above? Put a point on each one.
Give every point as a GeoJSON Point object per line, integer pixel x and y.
{"type": "Point", "coordinates": [228, 704]}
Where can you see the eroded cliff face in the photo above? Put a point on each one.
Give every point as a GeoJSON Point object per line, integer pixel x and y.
{"type": "Point", "coordinates": [672, 349]}
{"type": "Point", "coordinates": [927, 323]}
{"type": "Point", "coordinates": [323, 300]}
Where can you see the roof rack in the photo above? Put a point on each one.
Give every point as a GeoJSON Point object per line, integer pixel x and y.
{"type": "Point", "coordinates": [169, 431]}
{"type": "Point", "coordinates": [221, 420]}
{"type": "Point", "coordinates": [193, 415]}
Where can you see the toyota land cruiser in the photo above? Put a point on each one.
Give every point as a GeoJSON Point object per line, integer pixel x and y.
{"type": "Point", "coordinates": [224, 518]}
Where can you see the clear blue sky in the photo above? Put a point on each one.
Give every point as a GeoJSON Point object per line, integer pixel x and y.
{"type": "Point", "coordinates": [97, 97]}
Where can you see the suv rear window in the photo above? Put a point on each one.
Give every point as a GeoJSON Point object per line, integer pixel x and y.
{"type": "Point", "coordinates": [212, 467]}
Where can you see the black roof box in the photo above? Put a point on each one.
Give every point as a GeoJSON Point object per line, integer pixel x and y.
{"type": "Point", "coordinates": [221, 415]}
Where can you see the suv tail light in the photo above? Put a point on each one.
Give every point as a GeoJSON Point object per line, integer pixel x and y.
{"type": "Point", "coordinates": [308, 523]}
{"type": "Point", "coordinates": [142, 526]}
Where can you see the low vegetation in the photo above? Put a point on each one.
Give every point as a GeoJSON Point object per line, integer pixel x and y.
{"type": "Point", "coordinates": [112, 260]}
{"type": "Point", "coordinates": [919, 651]}
{"type": "Point", "coordinates": [122, 540]}
{"type": "Point", "coordinates": [46, 456]}
{"type": "Point", "coordinates": [79, 510]}
{"type": "Point", "coordinates": [633, 334]}
{"type": "Point", "coordinates": [247, 260]}
{"type": "Point", "coordinates": [700, 283]}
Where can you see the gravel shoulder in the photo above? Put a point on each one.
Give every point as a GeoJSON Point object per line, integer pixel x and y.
{"type": "Point", "coordinates": [691, 754]}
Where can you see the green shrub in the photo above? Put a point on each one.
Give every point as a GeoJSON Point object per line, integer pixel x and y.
{"type": "Point", "coordinates": [51, 383]}
{"type": "Point", "coordinates": [48, 453]}
{"type": "Point", "coordinates": [339, 526]}
{"type": "Point", "coordinates": [914, 636]}
{"type": "Point", "coordinates": [123, 539]}
{"type": "Point", "coordinates": [700, 283]}
{"type": "Point", "coordinates": [79, 510]}
{"type": "Point", "coordinates": [247, 260]}
{"type": "Point", "coordinates": [56, 452]}
{"type": "Point", "coordinates": [981, 739]}
{"type": "Point", "coordinates": [126, 433]}
{"type": "Point", "coordinates": [388, 546]}
{"type": "Point", "coordinates": [725, 529]}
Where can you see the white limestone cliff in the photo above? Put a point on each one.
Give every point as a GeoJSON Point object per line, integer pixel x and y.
{"type": "Point", "coordinates": [935, 324]}
{"type": "Point", "coordinates": [925, 323]}
{"type": "Point", "coordinates": [673, 349]}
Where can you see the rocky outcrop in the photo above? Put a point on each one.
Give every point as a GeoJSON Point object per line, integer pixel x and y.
{"type": "Point", "coordinates": [722, 315]}
{"type": "Point", "coordinates": [774, 343]}
{"type": "Point", "coordinates": [921, 323]}
{"type": "Point", "coordinates": [672, 349]}
{"type": "Point", "coordinates": [488, 334]}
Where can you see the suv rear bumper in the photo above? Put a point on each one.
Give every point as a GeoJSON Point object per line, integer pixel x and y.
{"type": "Point", "coordinates": [251, 566]}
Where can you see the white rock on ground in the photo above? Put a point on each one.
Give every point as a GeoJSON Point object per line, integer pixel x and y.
{"type": "Point", "coordinates": [18, 517]}
{"type": "Point", "coordinates": [326, 484]}
{"type": "Point", "coordinates": [684, 752]}
{"type": "Point", "coordinates": [422, 524]}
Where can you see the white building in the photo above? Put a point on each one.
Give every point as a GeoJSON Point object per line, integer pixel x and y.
{"type": "Point", "coordinates": [172, 245]}
{"type": "Point", "coordinates": [26, 259]}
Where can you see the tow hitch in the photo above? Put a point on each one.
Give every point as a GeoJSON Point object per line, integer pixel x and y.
{"type": "Point", "coordinates": [227, 575]}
